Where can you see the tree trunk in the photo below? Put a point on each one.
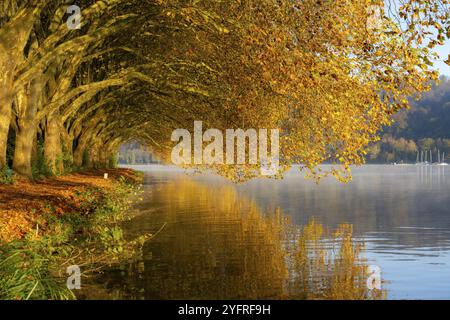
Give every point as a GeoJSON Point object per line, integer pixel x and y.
{"type": "Point", "coordinates": [103, 158]}
{"type": "Point", "coordinates": [13, 38]}
{"type": "Point", "coordinates": [5, 104]}
{"type": "Point", "coordinates": [5, 118]}
{"type": "Point", "coordinates": [67, 147]}
{"type": "Point", "coordinates": [78, 154]}
{"type": "Point", "coordinates": [28, 99]}
{"type": "Point", "coordinates": [108, 152]}
{"type": "Point", "coordinates": [52, 145]}
{"type": "Point", "coordinates": [24, 147]}
{"type": "Point", "coordinates": [35, 151]}
{"type": "Point", "coordinates": [94, 156]}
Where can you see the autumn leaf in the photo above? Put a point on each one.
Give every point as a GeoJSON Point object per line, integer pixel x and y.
{"type": "Point", "coordinates": [448, 60]}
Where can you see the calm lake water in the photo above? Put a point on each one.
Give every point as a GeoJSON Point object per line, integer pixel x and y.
{"type": "Point", "coordinates": [219, 240]}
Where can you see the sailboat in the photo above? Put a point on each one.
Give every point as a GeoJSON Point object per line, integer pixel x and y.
{"type": "Point", "coordinates": [442, 162]}
{"type": "Point", "coordinates": [425, 162]}
{"type": "Point", "coordinates": [417, 159]}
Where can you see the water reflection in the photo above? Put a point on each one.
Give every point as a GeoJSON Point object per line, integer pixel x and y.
{"type": "Point", "coordinates": [216, 244]}
{"type": "Point", "coordinates": [401, 212]}
{"type": "Point", "coordinates": [331, 267]}
{"type": "Point", "coordinates": [395, 205]}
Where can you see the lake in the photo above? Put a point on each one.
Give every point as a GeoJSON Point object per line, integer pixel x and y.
{"type": "Point", "coordinates": [290, 238]}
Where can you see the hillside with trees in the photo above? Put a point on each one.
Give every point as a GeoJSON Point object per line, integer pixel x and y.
{"type": "Point", "coordinates": [424, 127]}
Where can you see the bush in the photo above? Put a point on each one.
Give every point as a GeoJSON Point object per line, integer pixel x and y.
{"type": "Point", "coordinates": [40, 166]}
{"type": "Point", "coordinates": [6, 176]}
{"type": "Point", "coordinates": [113, 161]}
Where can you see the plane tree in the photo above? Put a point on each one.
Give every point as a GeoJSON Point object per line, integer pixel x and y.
{"type": "Point", "coordinates": [328, 75]}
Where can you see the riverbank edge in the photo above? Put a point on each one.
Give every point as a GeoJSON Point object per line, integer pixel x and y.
{"type": "Point", "coordinates": [88, 236]}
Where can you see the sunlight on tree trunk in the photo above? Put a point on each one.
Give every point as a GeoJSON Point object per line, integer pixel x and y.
{"type": "Point", "coordinates": [52, 145]}
{"type": "Point", "coordinates": [27, 105]}
{"type": "Point", "coordinates": [24, 148]}
{"type": "Point", "coordinates": [78, 155]}
{"type": "Point", "coordinates": [5, 104]}
{"type": "Point", "coordinates": [5, 111]}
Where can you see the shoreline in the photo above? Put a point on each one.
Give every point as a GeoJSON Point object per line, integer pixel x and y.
{"type": "Point", "coordinates": [49, 225]}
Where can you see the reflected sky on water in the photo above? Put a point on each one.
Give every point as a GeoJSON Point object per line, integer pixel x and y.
{"type": "Point", "coordinates": [401, 213]}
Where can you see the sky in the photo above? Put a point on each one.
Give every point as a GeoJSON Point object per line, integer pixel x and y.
{"type": "Point", "coordinates": [443, 51]}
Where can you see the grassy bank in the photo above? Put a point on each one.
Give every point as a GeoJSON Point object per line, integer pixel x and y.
{"type": "Point", "coordinates": [49, 225]}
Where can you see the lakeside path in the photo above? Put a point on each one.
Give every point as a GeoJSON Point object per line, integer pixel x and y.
{"type": "Point", "coordinates": [23, 203]}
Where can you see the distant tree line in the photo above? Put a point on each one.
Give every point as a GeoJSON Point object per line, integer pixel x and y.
{"type": "Point", "coordinates": [136, 153]}
{"type": "Point", "coordinates": [423, 128]}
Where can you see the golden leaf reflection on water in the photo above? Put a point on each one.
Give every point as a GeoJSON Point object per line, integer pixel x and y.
{"type": "Point", "coordinates": [219, 245]}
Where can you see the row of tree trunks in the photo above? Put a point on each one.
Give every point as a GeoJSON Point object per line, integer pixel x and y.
{"type": "Point", "coordinates": [99, 153]}
{"type": "Point", "coordinates": [25, 151]}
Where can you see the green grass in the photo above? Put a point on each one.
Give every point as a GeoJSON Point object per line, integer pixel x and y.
{"type": "Point", "coordinates": [34, 268]}
{"type": "Point", "coordinates": [25, 273]}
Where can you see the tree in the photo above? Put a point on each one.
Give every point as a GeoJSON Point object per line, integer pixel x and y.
{"type": "Point", "coordinates": [328, 75]}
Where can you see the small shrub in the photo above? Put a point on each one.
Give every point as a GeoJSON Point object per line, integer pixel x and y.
{"type": "Point", "coordinates": [40, 167]}
{"type": "Point", "coordinates": [113, 161]}
{"type": "Point", "coordinates": [6, 176]}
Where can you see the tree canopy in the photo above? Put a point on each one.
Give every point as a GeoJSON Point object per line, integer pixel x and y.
{"type": "Point", "coordinates": [328, 74]}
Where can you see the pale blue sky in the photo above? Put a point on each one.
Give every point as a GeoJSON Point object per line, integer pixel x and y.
{"type": "Point", "coordinates": [443, 51]}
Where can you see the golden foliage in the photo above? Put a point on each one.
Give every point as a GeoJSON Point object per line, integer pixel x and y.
{"type": "Point", "coordinates": [329, 74]}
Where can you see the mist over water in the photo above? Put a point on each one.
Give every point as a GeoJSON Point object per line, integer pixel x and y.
{"type": "Point", "coordinates": [220, 240]}
{"type": "Point", "coordinates": [401, 212]}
